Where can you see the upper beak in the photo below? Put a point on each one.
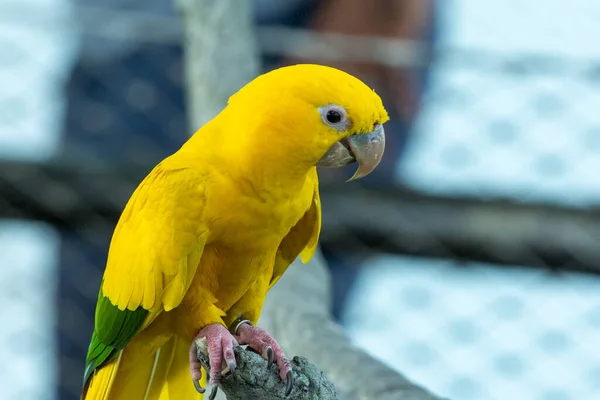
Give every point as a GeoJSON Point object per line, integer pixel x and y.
{"type": "Point", "coordinates": [366, 149]}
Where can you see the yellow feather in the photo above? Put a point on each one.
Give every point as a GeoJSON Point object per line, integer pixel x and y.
{"type": "Point", "coordinates": [307, 253]}
{"type": "Point", "coordinates": [101, 382]}
{"type": "Point", "coordinates": [177, 383]}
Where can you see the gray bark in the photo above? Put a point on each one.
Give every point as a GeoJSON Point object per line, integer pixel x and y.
{"type": "Point", "coordinates": [221, 56]}
{"type": "Point", "coordinates": [252, 379]}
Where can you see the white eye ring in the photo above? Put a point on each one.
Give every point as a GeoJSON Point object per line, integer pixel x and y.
{"type": "Point", "coordinates": [334, 116]}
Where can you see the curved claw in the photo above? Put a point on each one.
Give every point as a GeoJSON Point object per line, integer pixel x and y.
{"type": "Point", "coordinates": [199, 388]}
{"type": "Point", "coordinates": [213, 393]}
{"type": "Point", "coordinates": [232, 368]}
{"type": "Point", "coordinates": [270, 357]}
{"type": "Point", "coordinates": [289, 377]}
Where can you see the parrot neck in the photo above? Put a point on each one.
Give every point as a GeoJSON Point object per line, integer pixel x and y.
{"type": "Point", "coordinates": [272, 157]}
{"type": "Point", "coordinates": [269, 166]}
{"type": "Point", "coordinates": [252, 152]}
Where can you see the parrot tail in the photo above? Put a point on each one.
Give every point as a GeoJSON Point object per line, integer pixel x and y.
{"type": "Point", "coordinates": [137, 375]}
{"type": "Point", "coordinates": [99, 385]}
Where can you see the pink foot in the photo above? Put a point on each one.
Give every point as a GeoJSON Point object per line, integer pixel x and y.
{"type": "Point", "coordinates": [265, 345]}
{"type": "Point", "coordinates": [220, 348]}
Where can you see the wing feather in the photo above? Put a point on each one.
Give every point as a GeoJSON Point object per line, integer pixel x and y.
{"type": "Point", "coordinates": [302, 239]}
{"type": "Point", "coordinates": [154, 253]}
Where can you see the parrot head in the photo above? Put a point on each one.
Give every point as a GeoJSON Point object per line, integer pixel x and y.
{"type": "Point", "coordinates": [364, 148]}
{"type": "Point", "coordinates": [326, 117]}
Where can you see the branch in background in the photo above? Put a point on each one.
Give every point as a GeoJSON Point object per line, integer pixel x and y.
{"type": "Point", "coordinates": [221, 54]}
{"type": "Point", "coordinates": [296, 312]}
{"type": "Point", "coordinates": [253, 380]}
{"type": "Point", "coordinates": [400, 221]}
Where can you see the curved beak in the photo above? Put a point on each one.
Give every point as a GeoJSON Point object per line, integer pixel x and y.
{"type": "Point", "coordinates": [366, 149]}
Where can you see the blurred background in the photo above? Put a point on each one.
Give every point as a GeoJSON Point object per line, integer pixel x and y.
{"type": "Point", "coordinates": [472, 266]}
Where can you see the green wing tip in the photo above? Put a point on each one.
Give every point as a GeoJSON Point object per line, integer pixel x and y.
{"type": "Point", "coordinates": [114, 329]}
{"type": "Point", "coordinates": [89, 370]}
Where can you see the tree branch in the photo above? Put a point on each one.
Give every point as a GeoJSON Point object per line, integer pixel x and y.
{"type": "Point", "coordinates": [252, 379]}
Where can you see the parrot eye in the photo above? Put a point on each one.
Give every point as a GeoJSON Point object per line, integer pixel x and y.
{"type": "Point", "coordinates": [334, 116]}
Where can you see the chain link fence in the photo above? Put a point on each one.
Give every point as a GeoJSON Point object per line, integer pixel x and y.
{"type": "Point", "coordinates": [491, 175]}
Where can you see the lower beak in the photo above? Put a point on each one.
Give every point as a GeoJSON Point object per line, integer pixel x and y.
{"type": "Point", "coordinates": [366, 149]}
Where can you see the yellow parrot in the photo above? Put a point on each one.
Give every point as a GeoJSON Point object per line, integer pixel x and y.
{"type": "Point", "coordinates": [215, 225]}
